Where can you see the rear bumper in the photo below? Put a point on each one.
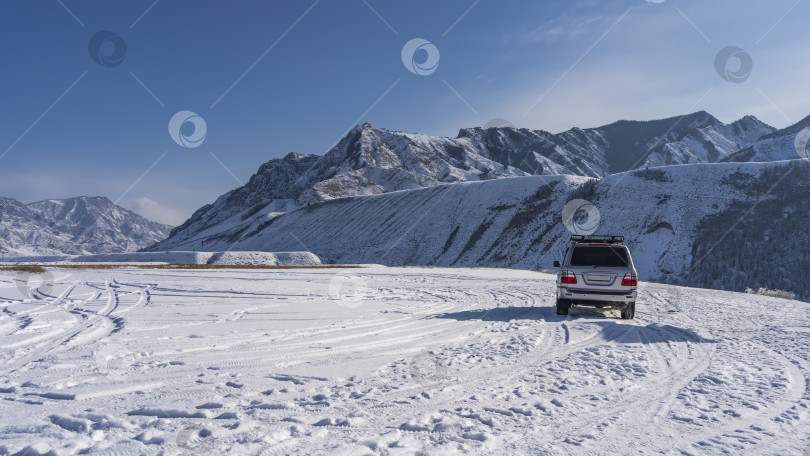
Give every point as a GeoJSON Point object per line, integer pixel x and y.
{"type": "Point", "coordinates": [587, 297]}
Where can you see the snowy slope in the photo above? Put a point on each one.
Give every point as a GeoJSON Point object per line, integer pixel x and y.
{"type": "Point", "coordinates": [393, 361]}
{"type": "Point", "coordinates": [73, 226]}
{"type": "Point", "coordinates": [672, 216]}
{"type": "Point", "coordinates": [372, 161]}
{"type": "Point", "coordinates": [17, 225]}
{"type": "Point", "coordinates": [266, 191]}
{"type": "Point", "coordinates": [779, 145]}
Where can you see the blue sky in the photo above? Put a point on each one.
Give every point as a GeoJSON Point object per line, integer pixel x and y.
{"type": "Point", "coordinates": [271, 77]}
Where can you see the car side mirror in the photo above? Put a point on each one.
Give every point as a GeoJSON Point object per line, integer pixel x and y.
{"type": "Point", "coordinates": [556, 264]}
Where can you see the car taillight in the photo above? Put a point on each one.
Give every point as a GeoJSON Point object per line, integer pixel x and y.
{"type": "Point", "coordinates": [568, 277]}
{"type": "Point", "coordinates": [630, 280]}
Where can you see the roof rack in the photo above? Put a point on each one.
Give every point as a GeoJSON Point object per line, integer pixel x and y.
{"type": "Point", "coordinates": [581, 239]}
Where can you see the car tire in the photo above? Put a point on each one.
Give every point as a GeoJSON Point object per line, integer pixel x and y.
{"type": "Point", "coordinates": [562, 307]}
{"type": "Point", "coordinates": [629, 312]}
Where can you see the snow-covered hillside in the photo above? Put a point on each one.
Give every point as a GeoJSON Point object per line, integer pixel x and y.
{"type": "Point", "coordinates": [372, 161]}
{"type": "Point", "coordinates": [676, 219]}
{"type": "Point", "coordinates": [73, 226]}
{"type": "Point", "coordinates": [392, 361]}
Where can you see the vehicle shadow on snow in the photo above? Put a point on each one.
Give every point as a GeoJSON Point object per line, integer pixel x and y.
{"type": "Point", "coordinates": [615, 331]}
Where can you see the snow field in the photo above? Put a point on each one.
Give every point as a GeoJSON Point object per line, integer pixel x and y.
{"type": "Point", "coordinates": [392, 361]}
{"type": "Point", "coordinates": [179, 257]}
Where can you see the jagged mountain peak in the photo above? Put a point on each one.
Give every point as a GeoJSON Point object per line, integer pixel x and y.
{"type": "Point", "coordinates": [789, 130]}
{"type": "Point", "coordinates": [752, 123]}
{"type": "Point", "coordinates": [101, 201]}
{"type": "Point", "coordinates": [748, 119]}
{"type": "Point", "coordinates": [82, 224]}
{"type": "Point", "coordinates": [773, 145]}
{"type": "Point", "coordinates": [505, 131]}
{"type": "Point", "coordinates": [368, 130]}
{"type": "Point", "coordinates": [291, 159]}
{"type": "Point", "coordinates": [696, 119]}
{"type": "Point", "coordinates": [293, 156]}
{"type": "Point", "coordinates": [85, 210]}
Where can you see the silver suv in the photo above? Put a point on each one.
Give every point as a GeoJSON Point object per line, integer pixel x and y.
{"type": "Point", "coordinates": [597, 271]}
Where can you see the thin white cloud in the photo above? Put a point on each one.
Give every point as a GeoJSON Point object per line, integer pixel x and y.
{"type": "Point", "coordinates": [153, 210]}
{"type": "Point", "coordinates": [564, 27]}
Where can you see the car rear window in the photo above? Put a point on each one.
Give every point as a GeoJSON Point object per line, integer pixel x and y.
{"type": "Point", "coordinates": [607, 256]}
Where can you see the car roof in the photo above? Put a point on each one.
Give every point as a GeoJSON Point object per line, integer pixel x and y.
{"type": "Point", "coordinates": [601, 245]}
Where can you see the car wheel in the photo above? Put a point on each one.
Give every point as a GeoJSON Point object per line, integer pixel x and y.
{"type": "Point", "coordinates": [630, 311]}
{"type": "Point", "coordinates": [562, 307]}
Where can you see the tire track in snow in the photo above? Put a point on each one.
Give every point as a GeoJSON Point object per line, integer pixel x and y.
{"type": "Point", "coordinates": [650, 401]}
{"type": "Point", "coordinates": [89, 319]}
{"type": "Point", "coordinates": [500, 362]}
{"type": "Point", "coordinates": [754, 426]}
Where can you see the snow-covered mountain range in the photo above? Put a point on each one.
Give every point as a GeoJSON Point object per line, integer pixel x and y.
{"type": "Point", "coordinates": [73, 226]}
{"type": "Point", "coordinates": [371, 161]}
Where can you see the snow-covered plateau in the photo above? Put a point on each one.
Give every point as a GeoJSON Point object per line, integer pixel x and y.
{"type": "Point", "coordinates": [381, 360]}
